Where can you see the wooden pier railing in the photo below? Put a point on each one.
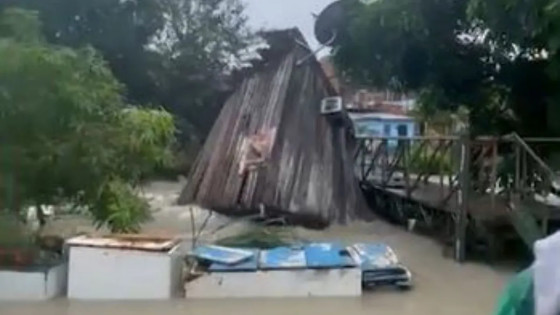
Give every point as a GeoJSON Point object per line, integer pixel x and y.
{"type": "Point", "coordinates": [451, 171]}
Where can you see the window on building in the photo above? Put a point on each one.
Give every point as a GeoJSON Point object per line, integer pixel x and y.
{"type": "Point", "coordinates": [402, 130]}
{"type": "Point", "coordinates": [387, 130]}
{"type": "Point", "coordinates": [361, 129]}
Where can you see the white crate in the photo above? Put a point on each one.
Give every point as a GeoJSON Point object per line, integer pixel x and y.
{"type": "Point", "coordinates": [97, 273]}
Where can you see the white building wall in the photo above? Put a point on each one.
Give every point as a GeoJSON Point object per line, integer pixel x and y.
{"type": "Point", "coordinates": [32, 285]}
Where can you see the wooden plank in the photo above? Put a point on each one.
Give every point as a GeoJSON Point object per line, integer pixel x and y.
{"type": "Point", "coordinates": [308, 173]}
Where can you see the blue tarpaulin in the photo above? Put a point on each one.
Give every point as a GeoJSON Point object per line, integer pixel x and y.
{"type": "Point", "coordinates": [282, 258]}
{"type": "Point", "coordinates": [379, 263]}
{"type": "Point", "coordinates": [327, 255]}
{"type": "Point", "coordinates": [250, 264]}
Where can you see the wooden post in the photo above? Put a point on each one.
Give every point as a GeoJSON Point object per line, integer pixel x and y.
{"type": "Point", "coordinates": [454, 153]}
{"type": "Point", "coordinates": [405, 158]}
{"type": "Point", "coordinates": [385, 162]}
{"type": "Point", "coordinates": [462, 198]}
{"type": "Point", "coordinates": [494, 173]}
{"type": "Point", "coordinates": [523, 169]}
{"type": "Point", "coordinates": [363, 151]}
{"type": "Point", "coordinates": [517, 168]}
{"type": "Point", "coordinates": [441, 175]}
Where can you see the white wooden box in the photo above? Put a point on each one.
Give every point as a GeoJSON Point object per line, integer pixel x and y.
{"type": "Point", "coordinates": [128, 273]}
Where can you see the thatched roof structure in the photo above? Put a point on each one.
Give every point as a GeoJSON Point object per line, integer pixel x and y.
{"type": "Point", "coordinates": [271, 150]}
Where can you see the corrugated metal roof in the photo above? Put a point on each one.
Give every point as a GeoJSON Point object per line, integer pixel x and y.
{"type": "Point", "coordinates": [389, 107]}
{"type": "Point", "coordinates": [379, 116]}
{"type": "Point", "coordinates": [132, 242]}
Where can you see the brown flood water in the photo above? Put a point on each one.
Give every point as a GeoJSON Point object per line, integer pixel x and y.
{"type": "Point", "coordinates": [441, 287]}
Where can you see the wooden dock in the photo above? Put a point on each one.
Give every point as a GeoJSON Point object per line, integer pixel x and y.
{"type": "Point", "coordinates": [480, 206]}
{"type": "Point", "coordinates": [464, 197]}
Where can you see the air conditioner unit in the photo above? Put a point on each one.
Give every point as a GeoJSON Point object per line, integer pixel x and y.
{"type": "Point", "coordinates": [331, 105]}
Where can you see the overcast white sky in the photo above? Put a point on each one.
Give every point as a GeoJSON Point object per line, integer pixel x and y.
{"type": "Point", "coordinates": [281, 14]}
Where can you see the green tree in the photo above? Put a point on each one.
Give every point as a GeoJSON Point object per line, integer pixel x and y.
{"type": "Point", "coordinates": [66, 135]}
{"type": "Point", "coordinates": [175, 53]}
{"type": "Point", "coordinates": [119, 30]}
{"type": "Point", "coordinates": [525, 36]}
{"type": "Point", "coordinates": [486, 56]}
{"type": "Point", "coordinates": [417, 45]}
{"type": "Point", "coordinates": [202, 41]}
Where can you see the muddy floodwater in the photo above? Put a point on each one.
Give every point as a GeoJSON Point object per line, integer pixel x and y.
{"type": "Point", "coordinates": [441, 286]}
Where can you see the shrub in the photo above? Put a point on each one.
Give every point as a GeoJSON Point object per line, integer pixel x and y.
{"type": "Point", "coordinates": [422, 161]}
{"type": "Point", "coordinates": [66, 134]}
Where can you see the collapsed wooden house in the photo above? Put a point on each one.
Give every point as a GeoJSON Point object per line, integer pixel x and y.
{"type": "Point", "coordinates": [272, 150]}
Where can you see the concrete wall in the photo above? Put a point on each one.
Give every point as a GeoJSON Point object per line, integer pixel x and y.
{"type": "Point", "coordinates": [277, 284]}
{"type": "Point", "coordinates": [117, 274]}
{"type": "Point", "coordinates": [32, 285]}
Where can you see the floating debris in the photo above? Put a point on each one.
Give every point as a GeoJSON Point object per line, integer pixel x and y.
{"type": "Point", "coordinates": [328, 255]}
{"type": "Point", "coordinates": [378, 263]}
{"type": "Point", "coordinates": [220, 254]}
{"type": "Point", "coordinates": [260, 237]}
{"type": "Point", "coordinates": [273, 152]}
{"type": "Point", "coordinates": [380, 266]}
{"type": "Point", "coordinates": [282, 258]}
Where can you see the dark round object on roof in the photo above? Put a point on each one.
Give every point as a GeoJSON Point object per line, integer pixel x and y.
{"type": "Point", "coordinates": [329, 22]}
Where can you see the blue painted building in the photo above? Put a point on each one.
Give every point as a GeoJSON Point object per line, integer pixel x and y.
{"type": "Point", "coordinates": [373, 124]}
